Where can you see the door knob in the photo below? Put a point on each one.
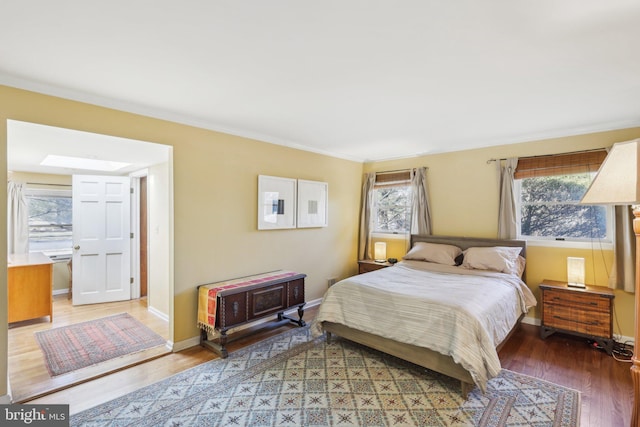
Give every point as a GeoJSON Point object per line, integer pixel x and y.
{"type": "Point", "coordinates": [76, 247]}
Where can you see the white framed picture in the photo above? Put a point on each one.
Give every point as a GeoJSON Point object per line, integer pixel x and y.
{"type": "Point", "coordinates": [276, 202]}
{"type": "Point", "coordinates": [313, 206]}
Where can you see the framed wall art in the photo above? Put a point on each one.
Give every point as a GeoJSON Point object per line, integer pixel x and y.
{"type": "Point", "coordinates": [312, 204]}
{"type": "Point", "coordinates": [276, 202]}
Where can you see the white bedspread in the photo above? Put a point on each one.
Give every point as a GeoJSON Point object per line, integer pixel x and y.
{"type": "Point", "coordinates": [457, 312]}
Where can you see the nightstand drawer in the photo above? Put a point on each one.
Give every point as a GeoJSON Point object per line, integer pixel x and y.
{"type": "Point", "coordinates": [578, 320]}
{"type": "Point", "coordinates": [365, 266]}
{"type": "Point", "coordinates": [577, 300]}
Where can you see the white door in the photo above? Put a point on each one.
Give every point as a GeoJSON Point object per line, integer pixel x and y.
{"type": "Point", "coordinates": [101, 239]}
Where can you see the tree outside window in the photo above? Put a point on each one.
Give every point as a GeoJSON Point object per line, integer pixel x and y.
{"type": "Point", "coordinates": [392, 209]}
{"type": "Point", "coordinates": [50, 222]}
{"type": "Point", "coordinates": [549, 209]}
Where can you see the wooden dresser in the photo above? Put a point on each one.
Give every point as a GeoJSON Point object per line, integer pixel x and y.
{"type": "Point", "coordinates": [30, 286]}
{"type": "Point", "coordinates": [586, 312]}
{"type": "Point", "coordinates": [228, 304]}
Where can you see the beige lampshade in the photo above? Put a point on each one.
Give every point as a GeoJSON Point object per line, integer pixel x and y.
{"type": "Point", "coordinates": [380, 251]}
{"type": "Point", "coordinates": [575, 272]}
{"type": "Point", "coordinates": [617, 181]}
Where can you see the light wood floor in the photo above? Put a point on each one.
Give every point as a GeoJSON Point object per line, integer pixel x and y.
{"type": "Point", "coordinates": [28, 374]}
{"type": "Point", "coordinates": [605, 384]}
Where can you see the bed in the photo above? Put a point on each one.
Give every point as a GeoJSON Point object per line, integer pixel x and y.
{"type": "Point", "coordinates": [448, 306]}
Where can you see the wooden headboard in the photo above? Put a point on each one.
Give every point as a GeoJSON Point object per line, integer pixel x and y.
{"type": "Point", "coordinates": [468, 242]}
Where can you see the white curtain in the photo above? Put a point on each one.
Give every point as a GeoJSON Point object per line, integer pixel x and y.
{"type": "Point", "coordinates": [365, 216]}
{"type": "Point", "coordinates": [623, 271]}
{"type": "Point", "coordinates": [507, 227]}
{"type": "Point", "coordinates": [420, 211]}
{"type": "Point", "coordinates": [17, 219]}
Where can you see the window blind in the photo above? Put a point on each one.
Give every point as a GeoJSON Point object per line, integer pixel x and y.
{"type": "Point", "coordinates": [560, 164]}
{"type": "Point", "coordinates": [392, 179]}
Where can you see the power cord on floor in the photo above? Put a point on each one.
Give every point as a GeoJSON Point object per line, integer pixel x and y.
{"type": "Point", "coordinates": [622, 352]}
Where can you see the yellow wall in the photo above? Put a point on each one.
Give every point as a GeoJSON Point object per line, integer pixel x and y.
{"type": "Point", "coordinates": [464, 202]}
{"type": "Point", "coordinates": [215, 179]}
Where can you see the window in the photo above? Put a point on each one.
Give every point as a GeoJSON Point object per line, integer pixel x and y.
{"type": "Point", "coordinates": [50, 226]}
{"type": "Point", "coordinates": [392, 203]}
{"type": "Point", "coordinates": [549, 209]}
{"type": "Point", "coordinates": [548, 191]}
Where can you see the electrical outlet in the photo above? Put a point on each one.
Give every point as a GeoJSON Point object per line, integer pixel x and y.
{"type": "Point", "coordinates": [331, 282]}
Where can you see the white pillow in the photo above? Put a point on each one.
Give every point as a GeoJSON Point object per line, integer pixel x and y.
{"type": "Point", "coordinates": [433, 252]}
{"type": "Point", "coordinates": [504, 259]}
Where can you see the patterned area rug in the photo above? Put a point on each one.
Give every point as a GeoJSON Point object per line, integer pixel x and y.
{"type": "Point", "coordinates": [293, 380]}
{"type": "Point", "coordinates": [73, 347]}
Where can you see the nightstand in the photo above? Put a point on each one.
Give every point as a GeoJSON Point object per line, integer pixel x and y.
{"type": "Point", "coordinates": [585, 312]}
{"type": "Point", "coordinates": [366, 265]}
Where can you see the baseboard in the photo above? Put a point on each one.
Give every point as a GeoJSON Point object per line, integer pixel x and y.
{"type": "Point", "coordinates": [531, 321]}
{"type": "Point", "coordinates": [178, 346]}
{"type": "Point", "coordinates": [158, 313]}
{"type": "Point", "coordinates": [624, 340]}
{"type": "Point", "coordinates": [183, 345]}
{"type": "Point", "coordinates": [7, 398]}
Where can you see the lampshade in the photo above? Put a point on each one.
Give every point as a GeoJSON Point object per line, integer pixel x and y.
{"type": "Point", "coordinates": [380, 252]}
{"type": "Point", "coordinates": [618, 179]}
{"type": "Point", "coordinates": [575, 272]}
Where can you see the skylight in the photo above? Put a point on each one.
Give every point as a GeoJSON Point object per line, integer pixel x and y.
{"type": "Point", "coordinates": [82, 163]}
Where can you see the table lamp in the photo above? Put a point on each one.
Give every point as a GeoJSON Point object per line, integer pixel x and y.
{"type": "Point", "coordinates": [575, 272]}
{"type": "Point", "coordinates": [618, 183]}
{"type": "Point", "coordinates": [380, 252]}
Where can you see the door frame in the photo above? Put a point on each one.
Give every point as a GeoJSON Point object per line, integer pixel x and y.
{"type": "Point", "coordinates": [135, 227]}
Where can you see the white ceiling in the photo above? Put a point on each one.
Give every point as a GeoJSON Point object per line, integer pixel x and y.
{"type": "Point", "coordinates": [363, 80]}
{"type": "Point", "coordinates": [29, 143]}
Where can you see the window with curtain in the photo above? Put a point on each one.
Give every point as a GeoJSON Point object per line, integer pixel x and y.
{"type": "Point", "coordinates": [392, 203]}
{"type": "Point", "coordinates": [548, 190]}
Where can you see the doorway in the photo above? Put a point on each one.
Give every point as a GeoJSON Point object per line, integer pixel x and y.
{"type": "Point", "coordinates": [33, 141]}
{"type": "Point", "coordinates": [142, 231]}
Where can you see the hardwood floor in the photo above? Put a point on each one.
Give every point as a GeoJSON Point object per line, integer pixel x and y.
{"type": "Point", "coordinates": [28, 374]}
{"type": "Point", "coordinates": [604, 383]}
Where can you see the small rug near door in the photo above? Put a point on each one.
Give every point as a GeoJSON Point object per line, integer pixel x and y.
{"type": "Point", "coordinates": [73, 347]}
{"type": "Point", "coordinates": [294, 380]}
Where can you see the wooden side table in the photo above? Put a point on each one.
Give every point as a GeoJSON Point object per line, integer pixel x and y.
{"type": "Point", "coordinates": [366, 265]}
{"type": "Point", "coordinates": [585, 312]}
